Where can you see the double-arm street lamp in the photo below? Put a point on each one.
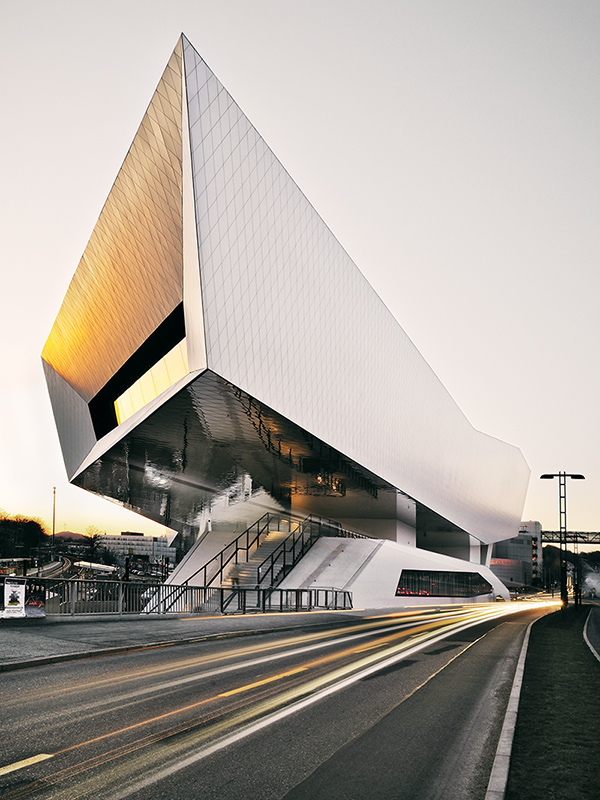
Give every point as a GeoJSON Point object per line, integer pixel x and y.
{"type": "Point", "coordinates": [562, 514]}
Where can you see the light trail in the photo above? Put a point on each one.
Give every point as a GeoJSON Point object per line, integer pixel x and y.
{"type": "Point", "coordinates": [397, 638]}
{"type": "Point", "coordinates": [269, 712]}
{"type": "Point", "coordinates": [318, 638]}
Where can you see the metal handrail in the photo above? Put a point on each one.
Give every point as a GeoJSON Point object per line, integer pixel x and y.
{"type": "Point", "coordinates": [306, 542]}
{"type": "Point", "coordinates": [215, 567]}
{"type": "Point", "coordinates": [220, 561]}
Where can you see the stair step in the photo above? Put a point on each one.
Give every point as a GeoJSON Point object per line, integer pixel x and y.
{"type": "Point", "coordinates": [245, 573]}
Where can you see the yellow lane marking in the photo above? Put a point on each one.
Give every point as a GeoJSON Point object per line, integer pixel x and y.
{"type": "Point", "coordinates": [249, 686]}
{"type": "Point", "coordinates": [27, 762]}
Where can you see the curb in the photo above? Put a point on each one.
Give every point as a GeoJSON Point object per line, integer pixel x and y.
{"type": "Point", "coordinates": [499, 775]}
{"type": "Point", "coordinates": [11, 666]}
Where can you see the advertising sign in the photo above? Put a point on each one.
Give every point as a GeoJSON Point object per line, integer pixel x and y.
{"type": "Point", "coordinates": [35, 599]}
{"type": "Point", "coordinates": [14, 597]}
{"type": "Point", "coordinates": [23, 597]}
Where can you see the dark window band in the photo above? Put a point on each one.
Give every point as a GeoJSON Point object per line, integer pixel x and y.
{"type": "Point", "coordinates": [168, 334]}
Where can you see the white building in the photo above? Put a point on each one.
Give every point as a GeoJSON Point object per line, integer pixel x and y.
{"type": "Point", "coordinates": [151, 548]}
{"type": "Point", "coordinates": [519, 559]}
{"type": "Point", "coordinates": [219, 355]}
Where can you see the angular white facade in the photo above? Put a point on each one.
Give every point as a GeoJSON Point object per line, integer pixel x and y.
{"type": "Point", "coordinates": [299, 384]}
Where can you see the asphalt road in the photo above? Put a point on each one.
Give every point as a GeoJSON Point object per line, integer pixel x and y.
{"type": "Point", "coordinates": [380, 707]}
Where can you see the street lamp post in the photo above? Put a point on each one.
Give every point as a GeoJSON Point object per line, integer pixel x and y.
{"type": "Point", "coordinates": [53, 520]}
{"type": "Point", "coordinates": [562, 514]}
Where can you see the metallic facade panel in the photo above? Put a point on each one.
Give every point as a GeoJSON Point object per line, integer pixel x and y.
{"type": "Point", "coordinates": [194, 318]}
{"type": "Point", "coordinates": [308, 376]}
{"type": "Point", "coordinates": [73, 421]}
{"type": "Point", "coordinates": [290, 319]}
{"type": "Point", "coordinates": [131, 274]}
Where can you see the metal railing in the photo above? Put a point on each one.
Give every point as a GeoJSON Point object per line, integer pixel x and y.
{"type": "Point", "coordinates": [279, 563]}
{"type": "Point", "coordinates": [246, 601]}
{"type": "Point", "coordinates": [75, 597]}
{"type": "Point", "coordinates": [282, 560]}
{"type": "Point", "coordinates": [241, 548]}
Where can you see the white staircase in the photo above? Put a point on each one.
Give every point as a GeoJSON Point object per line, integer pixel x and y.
{"type": "Point", "coordinates": [245, 573]}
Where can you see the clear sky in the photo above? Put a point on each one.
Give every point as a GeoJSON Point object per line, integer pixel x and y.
{"type": "Point", "coordinates": [451, 145]}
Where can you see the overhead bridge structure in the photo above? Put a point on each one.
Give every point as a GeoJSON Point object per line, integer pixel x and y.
{"type": "Point", "coordinates": [574, 537]}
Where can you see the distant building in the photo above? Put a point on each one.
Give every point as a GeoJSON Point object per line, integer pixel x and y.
{"type": "Point", "coordinates": [129, 543]}
{"type": "Point", "coordinates": [519, 560]}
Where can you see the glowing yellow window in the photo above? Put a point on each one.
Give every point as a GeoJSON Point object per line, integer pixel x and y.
{"type": "Point", "coordinates": [153, 383]}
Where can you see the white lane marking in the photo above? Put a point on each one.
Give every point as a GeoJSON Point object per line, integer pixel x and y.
{"type": "Point", "coordinates": [585, 636]}
{"type": "Point", "coordinates": [27, 762]}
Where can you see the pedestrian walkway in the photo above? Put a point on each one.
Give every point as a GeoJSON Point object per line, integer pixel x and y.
{"type": "Point", "coordinates": [25, 642]}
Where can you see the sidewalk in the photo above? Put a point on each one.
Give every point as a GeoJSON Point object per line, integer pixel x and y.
{"type": "Point", "coordinates": [555, 750]}
{"type": "Point", "coordinates": [26, 642]}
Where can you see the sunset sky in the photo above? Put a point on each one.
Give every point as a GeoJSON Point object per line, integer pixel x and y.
{"type": "Point", "coordinates": [450, 145]}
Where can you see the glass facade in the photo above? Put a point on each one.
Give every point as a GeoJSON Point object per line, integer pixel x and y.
{"type": "Point", "coordinates": [432, 583]}
{"type": "Point", "coordinates": [166, 372]}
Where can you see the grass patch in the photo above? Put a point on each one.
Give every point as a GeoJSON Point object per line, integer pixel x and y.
{"type": "Point", "coordinates": [556, 749]}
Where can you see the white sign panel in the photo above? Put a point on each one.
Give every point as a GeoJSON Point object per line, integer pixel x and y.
{"type": "Point", "coordinates": [14, 597]}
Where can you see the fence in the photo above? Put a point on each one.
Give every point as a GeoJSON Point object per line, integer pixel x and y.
{"type": "Point", "coordinates": [74, 597]}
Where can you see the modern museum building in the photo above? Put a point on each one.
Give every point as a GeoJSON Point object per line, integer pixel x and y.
{"type": "Point", "coordinates": [219, 358]}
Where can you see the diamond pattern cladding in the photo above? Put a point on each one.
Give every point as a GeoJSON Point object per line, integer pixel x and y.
{"type": "Point", "coordinates": [290, 319]}
{"type": "Point", "coordinates": [130, 276]}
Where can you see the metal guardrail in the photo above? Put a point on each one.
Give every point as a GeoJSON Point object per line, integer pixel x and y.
{"type": "Point", "coordinates": [75, 597]}
{"type": "Point", "coordinates": [246, 600]}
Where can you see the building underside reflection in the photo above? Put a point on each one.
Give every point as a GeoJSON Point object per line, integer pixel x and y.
{"type": "Point", "coordinates": [214, 453]}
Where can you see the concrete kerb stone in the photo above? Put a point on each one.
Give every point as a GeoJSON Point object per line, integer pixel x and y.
{"type": "Point", "coordinates": [9, 666]}
{"type": "Point", "coordinates": [499, 775]}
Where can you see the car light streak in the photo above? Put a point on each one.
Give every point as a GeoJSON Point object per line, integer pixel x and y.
{"type": "Point", "coordinates": [237, 690]}
{"type": "Point", "coordinates": [263, 682]}
{"type": "Point", "coordinates": [264, 714]}
{"type": "Point", "coordinates": [318, 639]}
{"type": "Point", "coordinates": [398, 638]}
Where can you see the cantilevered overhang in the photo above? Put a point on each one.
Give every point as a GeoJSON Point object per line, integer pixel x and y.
{"type": "Point", "coordinates": [205, 229]}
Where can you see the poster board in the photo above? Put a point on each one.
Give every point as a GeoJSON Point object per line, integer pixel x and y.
{"type": "Point", "coordinates": [14, 597]}
{"type": "Point", "coordinates": [23, 597]}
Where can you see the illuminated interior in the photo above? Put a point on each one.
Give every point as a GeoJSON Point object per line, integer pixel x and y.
{"type": "Point", "coordinates": [167, 371]}
{"type": "Point", "coordinates": [433, 583]}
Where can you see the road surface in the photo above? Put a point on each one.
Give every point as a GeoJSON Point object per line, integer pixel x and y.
{"type": "Point", "coordinates": [405, 705]}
